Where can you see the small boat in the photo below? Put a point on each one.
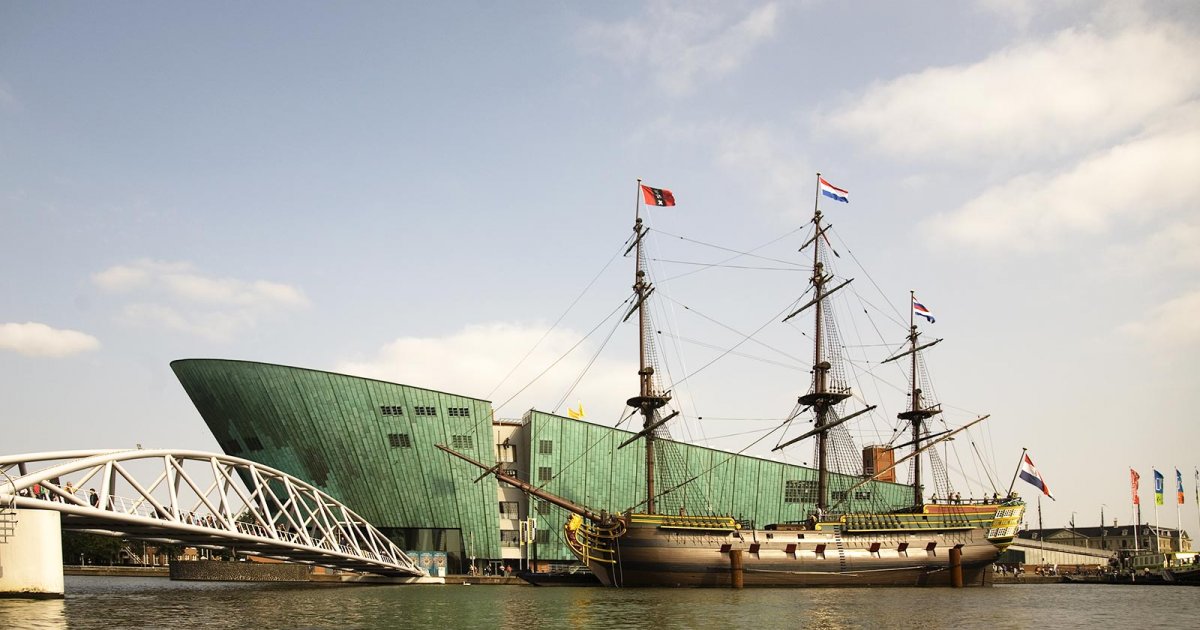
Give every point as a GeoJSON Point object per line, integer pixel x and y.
{"type": "Point", "coordinates": [580, 577]}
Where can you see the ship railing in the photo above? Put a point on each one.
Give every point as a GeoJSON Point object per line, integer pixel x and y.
{"type": "Point", "coordinates": [593, 542]}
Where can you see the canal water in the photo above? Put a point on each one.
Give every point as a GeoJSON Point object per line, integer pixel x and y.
{"type": "Point", "coordinates": [108, 602]}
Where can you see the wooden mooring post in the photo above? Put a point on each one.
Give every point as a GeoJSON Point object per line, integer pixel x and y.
{"type": "Point", "coordinates": [956, 577]}
{"type": "Point", "coordinates": [735, 568]}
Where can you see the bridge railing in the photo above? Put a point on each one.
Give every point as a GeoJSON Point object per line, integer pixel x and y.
{"type": "Point", "coordinates": [229, 495]}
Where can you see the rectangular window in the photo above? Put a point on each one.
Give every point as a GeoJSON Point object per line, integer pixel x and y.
{"type": "Point", "coordinates": [391, 410]}
{"type": "Point", "coordinates": [510, 538]}
{"type": "Point", "coordinates": [862, 494]}
{"type": "Point", "coordinates": [541, 536]}
{"type": "Point", "coordinates": [425, 411]}
{"type": "Point", "coordinates": [253, 444]}
{"type": "Point", "coordinates": [511, 472]}
{"type": "Point", "coordinates": [458, 412]}
{"type": "Point", "coordinates": [231, 447]}
{"type": "Point", "coordinates": [545, 474]}
{"type": "Point", "coordinates": [545, 447]}
{"type": "Point", "coordinates": [506, 452]}
{"type": "Point", "coordinates": [508, 509]}
{"type": "Point", "coordinates": [462, 442]}
{"type": "Point", "coordinates": [543, 508]}
{"type": "Point", "coordinates": [799, 491]}
{"type": "Point", "coordinates": [399, 440]}
{"type": "Point", "coordinates": [838, 495]}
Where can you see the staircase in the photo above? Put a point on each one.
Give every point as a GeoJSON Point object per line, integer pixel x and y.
{"type": "Point", "coordinates": [8, 523]}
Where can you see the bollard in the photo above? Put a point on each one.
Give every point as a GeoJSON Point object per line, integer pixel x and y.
{"type": "Point", "coordinates": [956, 578]}
{"type": "Point", "coordinates": [735, 567]}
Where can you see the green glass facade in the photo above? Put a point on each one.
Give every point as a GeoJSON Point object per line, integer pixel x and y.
{"type": "Point", "coordinates": [371, 444]}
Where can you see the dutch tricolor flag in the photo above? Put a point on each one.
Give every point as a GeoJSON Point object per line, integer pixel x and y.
{"type": "Point", "coordinates": [833, 192]}
{"type": "Point", "coordinates": [1030, 473]}
{"type": "Point", "coordinates": [919, 309]}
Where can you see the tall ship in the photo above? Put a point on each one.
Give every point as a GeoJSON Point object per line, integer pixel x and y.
{"type": "Point", "coordinates": [946, 541]}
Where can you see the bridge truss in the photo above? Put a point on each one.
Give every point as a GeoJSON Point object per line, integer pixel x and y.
{"type": "Point", "coordinates": [199, 499]}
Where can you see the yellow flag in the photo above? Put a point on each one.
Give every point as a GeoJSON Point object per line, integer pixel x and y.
{"type": "Point", "coordinates": [575, 414]}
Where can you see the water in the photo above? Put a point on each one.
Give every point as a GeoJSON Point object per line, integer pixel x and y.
{"type": "Point", "coordinates": [101, 602]}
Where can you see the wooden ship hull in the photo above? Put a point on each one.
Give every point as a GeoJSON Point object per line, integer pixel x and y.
{"type": "Point", "coordinates": [911, 549]}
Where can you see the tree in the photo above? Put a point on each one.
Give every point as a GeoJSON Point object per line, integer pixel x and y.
{"type": "Point", "coordinates": [92, 548]}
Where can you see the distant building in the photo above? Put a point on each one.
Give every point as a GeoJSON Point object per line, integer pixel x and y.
{"type": "Point", "coordinates": [1118, 538]}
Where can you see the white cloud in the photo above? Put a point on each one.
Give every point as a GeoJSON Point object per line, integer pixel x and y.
{"type": "Point", "coordinates": [1172, 324]}
{"type": "Point", "coordinates": [39, 340]}
{"type": "Point", "coordinates": [1076, 92]}
{"type": "Point", "coordinates": [684, 43]}
{"type": "Point", "coordinates": [175, 296]}
{"type": "Point", "coordinates": [474, 360]}
{"type": "Point", "coordinates": [1140, 180]}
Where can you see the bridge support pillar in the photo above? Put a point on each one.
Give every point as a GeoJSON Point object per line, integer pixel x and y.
{"type": "Point", "coordinates": [31, 563]}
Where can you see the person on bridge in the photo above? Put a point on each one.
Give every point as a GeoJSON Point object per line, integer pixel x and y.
{"type": "Point", "coordinates": [93, 498]}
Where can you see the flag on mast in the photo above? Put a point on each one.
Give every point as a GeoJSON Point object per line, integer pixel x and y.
{"type": "Point", "coordinates": [657, 196]}
{"type": "Point", "coordinates": [1030, 473]}
{"type": "Point", "coordinates": [920, 310]}
{"type": "Point", "coordinates": [1133, 481]}
{"type": "Point", "coordinates": [833, 192]}
{"type": "Point", "coordinates": [575, 414]}
{"type": "Point", "coordinates": [1179, 486]}
{"type": "Point", "coordinates": [1158, 488]}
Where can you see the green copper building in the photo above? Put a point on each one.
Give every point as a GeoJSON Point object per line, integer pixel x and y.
{"type": "Point", "coordinates": [371, 444]}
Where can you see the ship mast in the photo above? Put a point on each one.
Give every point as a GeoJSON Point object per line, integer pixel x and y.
{"type": "Point", "coordinates": [820, 398]}
{"type": "Point", "coordinates": [916, 413]}
{"type": "Point", "coordinates": [648, 400]}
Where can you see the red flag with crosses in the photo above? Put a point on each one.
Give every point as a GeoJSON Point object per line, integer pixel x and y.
{"type": "Point", "coordinates": [657, 196]}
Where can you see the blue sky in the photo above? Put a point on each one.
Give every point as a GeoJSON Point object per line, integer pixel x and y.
{"type": "Point", "coordinates": [417, 193]}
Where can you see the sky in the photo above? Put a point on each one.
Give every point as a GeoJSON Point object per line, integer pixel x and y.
{"type": "Point", "coordinates": [439, 194]}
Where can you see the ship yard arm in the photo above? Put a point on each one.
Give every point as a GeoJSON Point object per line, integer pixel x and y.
{"type": "Point", "coordinates": [566, 504]}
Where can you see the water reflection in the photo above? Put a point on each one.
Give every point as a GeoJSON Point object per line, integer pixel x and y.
{"type": "Point", "coordinates": [108, 603]}
{"type": "Point", "coordinates": [33, 613]}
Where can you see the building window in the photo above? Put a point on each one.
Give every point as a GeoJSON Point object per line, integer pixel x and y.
{"type": "Point", "coordinates": [463, 442]}
{"type": "Point", "coordinates": [511, 472]}
{"type": "Point", "coordinates": [862, 494]}
{"type": "Point", "coordinates": [545, 447]}
{"type": "Point", "coordinates": [543, 508]}
{"type": "Point", "coordinates": [838, 495]}
{"type": "Point", "coordinates": [799, 491]}
{"type": "Point", "coordinates": [231, 447]}
{"type": "Point", "coordinates": [399, 440]}
{"type": "Point", "coordinates": [425, 411]}
{"type": "Point", "coordinates": [253, 444]}
{"type": "Point", "coordinates": [506, 452]}
{"type": "Point", "coordinates": [458, 412]}
{"type": "Point", "coordinates": [545, 474]}
{"type": "Point", "coordinates": [508, 509]}
{"type": "Point", "coordinates": [541, 536]}
{"type": "Point", "coordinates": [391, 410]}
{"type": "Point", "coordinates": [510, 538]}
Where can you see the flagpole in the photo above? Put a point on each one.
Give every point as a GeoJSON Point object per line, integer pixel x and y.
{"type": "Point", "coordinates": [817, 196]}
{"type": "Point", "coordinates": [637, 204]}
{"type": "Point", "coordinates": [1197, 486]}
{"type": "Point", "coordinates": [1041, 532]}
{"type": "Point", "coordinates": [1018, 470]}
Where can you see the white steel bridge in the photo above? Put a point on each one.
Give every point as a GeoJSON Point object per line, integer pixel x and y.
{"type": "Point", "coordinates": [199, 499]}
